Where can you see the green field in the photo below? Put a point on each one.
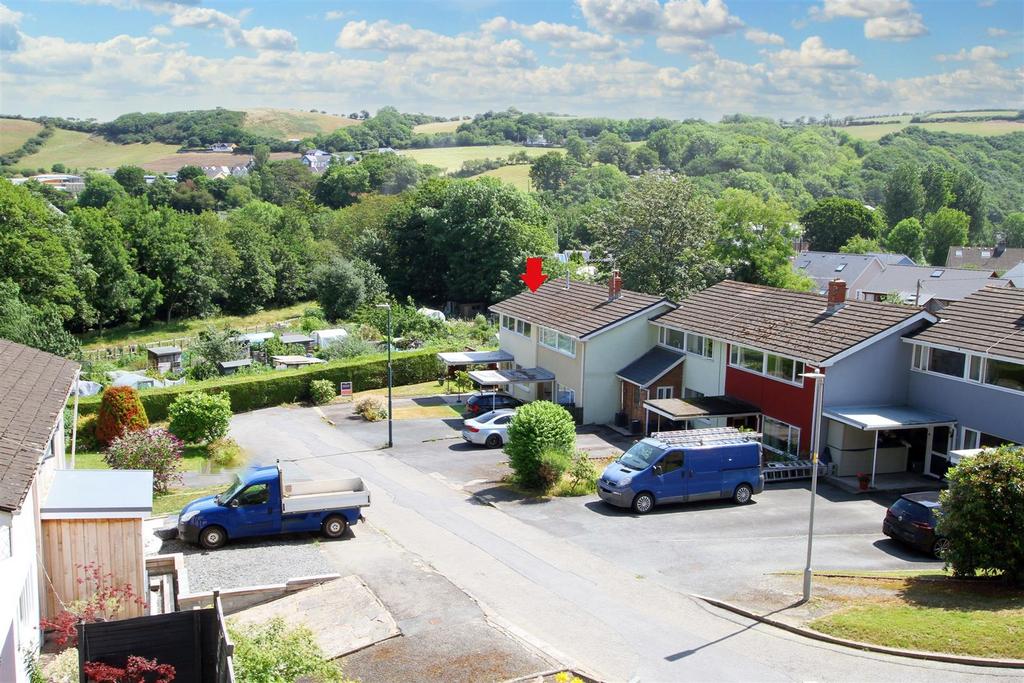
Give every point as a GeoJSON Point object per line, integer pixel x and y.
{"type": "Point", "coordinates": [985, 128]}
{"type": "Point", "coordinates": [969, 114]}
{"type": "Point", "coordinates": [131, 334]}
{"type": "Point", "coordinates": [285, 124]}
{"type": "Point", "coordinates": [452, 158]}
{"type": "Point", "coordinates": [518, 175]}
{"type": "Point", "coordinates": [14, 133]}
{"type": "Point", "coordinates": [84, 151]}
{"type": "Point", "coordinates": [437, 127]}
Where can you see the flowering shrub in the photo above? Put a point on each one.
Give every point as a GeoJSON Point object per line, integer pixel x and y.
{"type": "Point", "coordinates": [137, 670]}
{"type": "Point", "coordinates": [199, 416]}
{"type": "Point", "coordinates": [154, 449]}
{"type": "Point", "coordinates": [106, 601]}
{"type": "Point", "coordinates": [120, 412]}
{"type": "Point", "coordinates": [372, 408]}
{"type": "Point", "coordinates": [322, 391]}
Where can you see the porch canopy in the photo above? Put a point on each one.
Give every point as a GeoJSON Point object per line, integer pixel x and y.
{"type": "Point", "coordinates": [884, 418]}
{"type": "Point", "coordinates": [680, 409]}
{"type": "Point", "coordinates": [475, 357]}
{"type": "Point", "coordinates": [651, 366]}
{"type": "Point", "coordinates": [499, 378]}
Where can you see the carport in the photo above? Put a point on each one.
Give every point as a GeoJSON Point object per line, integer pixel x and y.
{"type": "Point", "coordinates": [874, 419]}
{"type": "Point", "coordinates": [703, 407]}
{"type": "Point", "coordinates": [454, 361]}
{"type": "Point", "coordinates": [503, 378]}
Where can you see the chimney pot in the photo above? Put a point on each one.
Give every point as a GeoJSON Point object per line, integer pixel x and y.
{"type": "Point", "coordinates": [836, 294]}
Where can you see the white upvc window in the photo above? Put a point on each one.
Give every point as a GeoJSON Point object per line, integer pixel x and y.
{"type": "Point", "coordinates": [664, 392]}
{"type": "Point", "coordinates": [768, 364]}
{"type": "Point", "coordinates": [516, 325]}
{"type": "Point", "coordinates": [1002, 374]}
{"type": "Point", "coordinates": [780, 437]}
{"type": "Point", "coordinates": [699, 345]}
{"type": "Point", "coordinates": [971, 438]}
{"type": "Point", "coordinates": [557, 341]}
{"type": "Point", "coordinates": [672, 338]}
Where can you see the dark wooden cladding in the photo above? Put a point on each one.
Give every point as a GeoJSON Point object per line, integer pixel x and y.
{"type": "Point", "coordinates": [795, 324]}
{"type": "Point", "coordinates": [989, 321]}
{"type": "Point", "coordinates": [581, 309]}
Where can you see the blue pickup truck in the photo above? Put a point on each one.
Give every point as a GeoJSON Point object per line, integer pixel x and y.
{"type": "Point", "coordinates": [683, 466]}
{"type": "Point", "coordinates": [259, 503]}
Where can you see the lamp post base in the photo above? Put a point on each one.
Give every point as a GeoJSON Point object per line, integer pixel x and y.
{"type": "Point", "coordinates": [807, 584]}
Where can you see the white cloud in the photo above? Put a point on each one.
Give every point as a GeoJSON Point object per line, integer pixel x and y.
{"type": "Point", "coordinates": [813, 54]}
{"type": "Point", "coordinates": [893, 20]}
{"type": "Point", "coordinates": [761, 37]}
{"type": "Point", "coordinates": [334, 15]}
{"type": "Point", "coordinates": [986, 3]}
{"type": "Point", "coordinates": [676, 17]}
{"type": "Point", "coordinates": [995, 32]}
{"type": "Point", "coordinates": [161, 30]}
{"type": "Point", "coordinates": [686, 44]}
{"type": "Point", "coordinates": [557, 35]}
{"type": "Point", "coordinates": [203, 17]}
{"type": "Point", "coordinates": [9, 21]}
{"type": "Point", "coordinates": [978, 53]}
{"type": "Point", "coordinates": [262, 38]}
{"type": "Point", "coordinates": [425, 46]}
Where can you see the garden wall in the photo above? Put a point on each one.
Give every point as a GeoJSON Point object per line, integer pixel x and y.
{"type": "Point", "coordinates": [263, 390]}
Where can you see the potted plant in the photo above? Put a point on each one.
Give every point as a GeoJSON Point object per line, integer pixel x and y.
{"type": "Point", "coordinates": [864, 480]}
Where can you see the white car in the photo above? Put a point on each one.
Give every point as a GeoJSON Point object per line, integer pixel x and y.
{"type": "Point", "coordinates": [489, 429]}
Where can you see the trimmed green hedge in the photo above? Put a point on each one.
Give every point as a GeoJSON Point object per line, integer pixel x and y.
{"type": "Point", "coordinates": [249, 392]}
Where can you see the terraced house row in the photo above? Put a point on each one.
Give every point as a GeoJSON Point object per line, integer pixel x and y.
{"type": "Point", "coordinates": [904, 389]}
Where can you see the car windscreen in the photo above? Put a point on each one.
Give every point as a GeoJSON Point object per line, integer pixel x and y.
{"type": "Point", "coordinates": [235, 487]}
{"type": "Point", "coordinates": [911, 510]}
{"type": "Point", "coordinates": [641, 456]}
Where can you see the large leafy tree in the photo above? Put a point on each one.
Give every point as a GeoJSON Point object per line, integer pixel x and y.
{"type": "Point", "coordinates": [937, 183]}
{"type": "Point", "coordinates": [461, 240]}
{"type": "Point", "coordinates": [100, 190]}
{"type": "Point", "coordinates": [39, 327]}
{"type": "Point", "coordinates": [552, 170]}
{"type": "Point", "coordinates": [339, 288]}
{"type": "Point", "coordinates": [1013, 229]}
{"type": "Point", "coordinates": [969, 197]}
{"type": "Point", "coordinates": [132, 179]}
{"type": "Point", "coordinates": [755, 239]}
{"type": "Point", "coordinates": [340, 185]}
{"type": "Point", "coordinates": [943, 229]}
{"type": "Point", "coordinates": [907, 237]}
{"type": "Point", "coordinates": [832, 222]}
{"type": "Point", "coordinates": [250, 271]}
{"type": "Point", "coordinates": [904, 194]}
{"type": "Point", "coordinates": [609, 148]}
{"type": "Point", "coordinates": [660, 236]}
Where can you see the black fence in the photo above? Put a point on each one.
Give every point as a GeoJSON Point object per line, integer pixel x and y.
{"type": "Point", "coordinates": [195, 643]}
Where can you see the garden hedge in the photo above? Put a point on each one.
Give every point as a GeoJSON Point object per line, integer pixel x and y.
{"type": "Point", "coordinates": [263, 390]}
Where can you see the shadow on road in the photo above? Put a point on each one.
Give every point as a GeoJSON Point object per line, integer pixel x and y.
{"type": "Point", "coordinates": [608, 510]}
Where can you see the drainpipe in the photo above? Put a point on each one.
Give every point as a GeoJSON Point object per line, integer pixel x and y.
{"type": "Point", "coordinates": [74, 419]}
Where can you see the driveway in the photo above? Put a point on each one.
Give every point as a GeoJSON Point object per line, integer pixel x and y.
{"type": "Point", "coordinates": [557, 594]}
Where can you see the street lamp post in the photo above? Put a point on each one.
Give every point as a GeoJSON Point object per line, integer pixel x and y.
{"type": "Point", "coordinates": [819, 386]}
{"type": "Point", "coordinates": [390, 381]}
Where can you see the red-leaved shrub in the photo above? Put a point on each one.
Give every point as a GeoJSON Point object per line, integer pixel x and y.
{"type": "Point", "coordinates": [120, 412]}
{"type": "Point", "coordinates": [137, 670]}
{"type": "Point", "coordinates": [103, 604]}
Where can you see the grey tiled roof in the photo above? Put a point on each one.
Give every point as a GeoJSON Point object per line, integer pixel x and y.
{"type": "Point", "coordinates": [947, 284]}
{"type": "Point", "coordinates": [790, 323]}
{"type": "Point", "coordinates": [990, 321]}
{"type": "Point", "coordinates": [34, 387]}
{"type": "Point", "coordinates": [821, 266]}
{"type": "Point", "coordinates": [991, 258]}
{"type": "Point", "coordinates": [580, 310]}
{"type": "Point", "coordinates": [650, 366]}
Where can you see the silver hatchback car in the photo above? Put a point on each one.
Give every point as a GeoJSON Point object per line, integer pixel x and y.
{"type": "Point", "coordinates": [489, 429]}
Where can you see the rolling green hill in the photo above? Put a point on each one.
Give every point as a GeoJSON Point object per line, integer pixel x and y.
{"type": "Point", "coordinates": [286, 124]}
{"type": "Point", "coordinates": [14, 133]}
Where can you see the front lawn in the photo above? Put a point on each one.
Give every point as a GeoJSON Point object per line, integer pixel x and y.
{"type": "Point", "coordinates": [195, 459]}
{"type": "Point", "coordinates": [428, 388]}
{"type": "Point", "coordinates": [982, 618]}
{"type": "Point", "coordinates": [176, 499]}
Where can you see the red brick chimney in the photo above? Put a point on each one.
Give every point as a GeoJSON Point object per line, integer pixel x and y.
{"type": "Point", "coordinates": [836, 294]}
{"type": "Point", "coordinates": [614, 286]}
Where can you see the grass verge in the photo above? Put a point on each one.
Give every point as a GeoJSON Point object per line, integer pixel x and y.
{"type": "Point", "coordinates": [983, 618]}
{"type": "Point", "coordinates": [202, 459]}
{"type": "Point", "coordinates": [176, 499]}
{"type": "Point", "coordinates": [428, 388]}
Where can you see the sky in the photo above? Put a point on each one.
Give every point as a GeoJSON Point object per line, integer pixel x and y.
{"type": "Point", "coordinates": [620, 58]}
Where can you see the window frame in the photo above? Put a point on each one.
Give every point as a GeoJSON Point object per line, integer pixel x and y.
{"type": "Point", "coordinates": [515, 325]}
{"type": "Point", "coordinates": [736, 357]}
{"type": "Point", "coordinates": [706, 343]}
{"type": "Point", "coordinates": [558, 338]}
{"type": "Point", "coordinates": [791, 430]}
{"type": "Point", "coordinates": [668, 388]}
{"type": "Point", "coordinates": [663, 334]}
{"type": "Point", "coordinates": [976, 367]}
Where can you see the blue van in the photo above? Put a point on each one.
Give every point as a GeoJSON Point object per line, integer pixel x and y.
{"type": "Point", "coordinates": [678, 467]}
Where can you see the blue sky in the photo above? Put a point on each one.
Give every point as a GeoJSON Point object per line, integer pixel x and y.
{"type": "Point", "coordinates": [675, 58]}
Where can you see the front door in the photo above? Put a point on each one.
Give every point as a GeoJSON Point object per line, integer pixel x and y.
{"type": "Point", "coordinates": [255, 513]}
{"type": "Point", "coordinates": [703, 475]}
{"type": "Point", "coordinates": [669, 477]}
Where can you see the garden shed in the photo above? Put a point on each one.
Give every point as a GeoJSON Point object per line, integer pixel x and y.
{"type": "Point", "coordinates": [303, 340]}
{"type": "Point", "coordinates": [94, 516]}
{"type": "Point", "coordinates": [230, 367]}
{"type": "Point", "coordinates": [165, 358]}
{"type": "Point", "coordinates": [292, 362]}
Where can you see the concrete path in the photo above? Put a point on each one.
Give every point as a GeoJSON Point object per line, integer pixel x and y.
{"type": "Point", "coordinates": [579, 608]}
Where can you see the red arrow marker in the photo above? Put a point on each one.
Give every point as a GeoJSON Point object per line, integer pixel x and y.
{"type": "Point", "coordinates": [533, 277]}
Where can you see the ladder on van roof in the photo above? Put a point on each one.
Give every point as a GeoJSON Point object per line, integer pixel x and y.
{"type": "Point", "coordinates": [706, 437]}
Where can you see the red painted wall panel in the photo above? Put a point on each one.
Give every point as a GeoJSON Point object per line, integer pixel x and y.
{"type": "Point", "coordinates": [787, 402]}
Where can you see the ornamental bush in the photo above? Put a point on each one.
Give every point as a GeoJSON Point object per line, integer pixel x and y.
{"type": "Point", "coordinates": [553, 464]}
{"type": "Point", "coordinates": [154, 449]}
{"type": "Point", "coordinates": [372, 408]}
{"type": "Point", "coordinates": [273, 651]}
{"type": "Point", "coordinates": [200, 417]}
{"type": "Point", "coordinates": [321, 391]}
{"type": "Point", "coordinates": [538, 430]}
{"type": "Point", "coordinates": [982, 514]}
{"type": "Point", "coordinates": [120, 412]}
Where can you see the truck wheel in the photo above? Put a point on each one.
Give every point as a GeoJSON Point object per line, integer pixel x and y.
{"type": "Point", "coordinates": [643, 503]}
{"type": "Point", "coordinates": [493, 441]}
{"type": "Point", "coordinates": [334, 526]}
{"type": "Point", "coordinates": [212, 537]}
{"type": "Point", "coordinates": [743, 494]}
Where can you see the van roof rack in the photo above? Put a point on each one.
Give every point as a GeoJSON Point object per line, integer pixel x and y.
{"type": "Point", "coordinates": [705, 437]}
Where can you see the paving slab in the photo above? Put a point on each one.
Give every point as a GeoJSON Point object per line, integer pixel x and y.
{"type": "Point", "coordinates": [344, 615]}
